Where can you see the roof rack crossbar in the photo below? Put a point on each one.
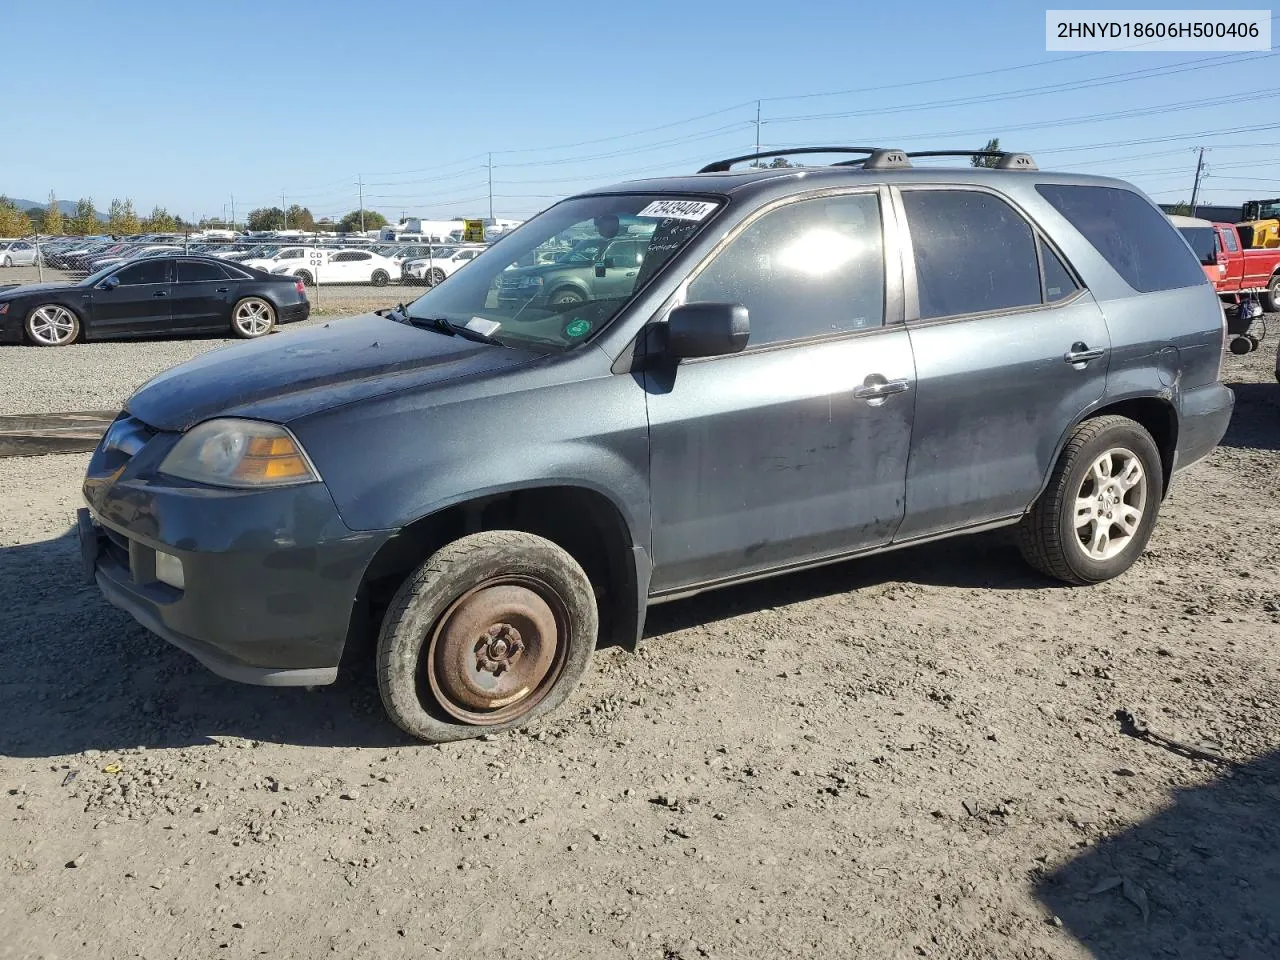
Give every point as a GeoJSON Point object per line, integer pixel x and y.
{"type": "Point", "coordinates": [1007, 160]}
{"type": "Point", "coordinates": [722, 166]}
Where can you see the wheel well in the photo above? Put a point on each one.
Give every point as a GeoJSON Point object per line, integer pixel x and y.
{"type": "Point", "coordinates": [582, 522]}
{"type": "Point", "coordinates": [1160, 420]}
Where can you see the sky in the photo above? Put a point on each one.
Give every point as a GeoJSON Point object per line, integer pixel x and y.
{"type": "Point", "coordinates": [187, 105]}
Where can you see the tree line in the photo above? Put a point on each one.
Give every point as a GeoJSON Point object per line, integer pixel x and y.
{"type": "Point", "coordinates": [121, 220]}
{"type": "Point", "coordinates": [299, 217]}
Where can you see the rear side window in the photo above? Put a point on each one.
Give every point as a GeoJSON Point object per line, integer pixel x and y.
{"type": "Point", "coordinates": [973, 253]}
{"type": "Point", "coordinates": [805, 269]}
{"type": "Point", "coordinates": [1058, 282]}
{"type": "Point", "coordinates": [195, 271]}
{"type": "Point", "coordinates": [1132, 236]}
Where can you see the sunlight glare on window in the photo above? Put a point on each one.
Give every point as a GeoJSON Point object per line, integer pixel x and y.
{"type": "Point", "coordinates": [818, 252]}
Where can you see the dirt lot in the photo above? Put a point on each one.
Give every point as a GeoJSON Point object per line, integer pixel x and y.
{"type": "Point", "coordinates": [911, 755]}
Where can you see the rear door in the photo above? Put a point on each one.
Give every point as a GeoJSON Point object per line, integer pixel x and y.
{"type": "Point", "coordinates": [795, 449]}
{"type": "Point", "coordinates": [1010, 350]}
{"type": "Point", "coordinates": [140, 304]}
{"type": "Point", "coordinates": [202, 295]}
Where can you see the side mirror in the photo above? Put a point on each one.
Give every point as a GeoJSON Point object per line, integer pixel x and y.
{"type": "Point", "coordinates": [707, 329]}
{"type": "Point", "coordinates": [111, 283]}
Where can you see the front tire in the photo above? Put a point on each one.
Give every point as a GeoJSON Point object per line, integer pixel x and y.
{"type": "Point", "coordinates": [52, 325]}
{"type": "Point", "coordinates": [1271, 299]}
{"type": "Point", "coordinates": [567, 297]}
{"type": "Point", "coordinates": [434, 276]}
{"type": "Point", "coordinates": [252, 318]}
{"type": "Point", "coordinates": [493, 631]}
{"type": "Point", "coordinates": [8, 261]}
{"type": "Point", "coordinates": [1094, 519]}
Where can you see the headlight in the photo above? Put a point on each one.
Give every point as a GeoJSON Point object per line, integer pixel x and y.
{"type": "Point", "coordinates": [239, 453]}
{"type": "Point", "coordinates": [532, 282]}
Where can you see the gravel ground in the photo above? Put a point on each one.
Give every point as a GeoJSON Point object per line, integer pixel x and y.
{"type": "Point", "coordinates": [909, 755]}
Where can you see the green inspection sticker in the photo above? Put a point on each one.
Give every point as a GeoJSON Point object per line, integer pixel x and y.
{"type": "Point", "coordinates": [577, 328]}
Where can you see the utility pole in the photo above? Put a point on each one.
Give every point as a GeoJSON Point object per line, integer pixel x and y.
{"type": "Point", "coordinates": [757, 128]}
{"type": "Point", "coordinates": [1195, 187]}
{"type": "Point", "coordinates": [285, 211]}
{"type": "Point", "coordinates": [490, 187]}
{"type": "Point", "coordinates": [360, 187]}
{"type": "Point", "coordinates": [233, 211]}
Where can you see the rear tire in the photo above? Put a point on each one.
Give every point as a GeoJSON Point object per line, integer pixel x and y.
{"type": "Point", "coordinates": [434, 276]}
{"type": "Point", "coordinates": [1271, 298]}
{"type": "Point", "coordinates": [1095, 517]}
{"type": "Point", "coordinates": [493, 631]}
{"type": "Point", "coordinates": [380, 278]}
{"type": "Point", "coordinates": [305, 276]}
{"type": "Point", "coordinates": [567, 296]}
{"type": "Point", "coordinates": [252, 317]}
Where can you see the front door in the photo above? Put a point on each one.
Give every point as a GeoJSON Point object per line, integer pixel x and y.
{"type": "Point", "coordinates": [139, 304]}
{"type": "Point", "coordinates": [1010, 351]}
{"type": "Point", "coordinates": [616, 269]}
{"type": "Point", "coordinates": [794, 450]}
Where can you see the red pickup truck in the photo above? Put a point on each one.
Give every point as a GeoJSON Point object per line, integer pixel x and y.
{"type": "Point", "coordinates": [1233, 270]}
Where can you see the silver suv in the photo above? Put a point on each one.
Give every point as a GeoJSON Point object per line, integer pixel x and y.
{"type": "Point", "coordinates": [800, 365]}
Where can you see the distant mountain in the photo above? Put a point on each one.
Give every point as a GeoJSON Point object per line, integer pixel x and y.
{"type": "Point", "coordinates": [68, 207]}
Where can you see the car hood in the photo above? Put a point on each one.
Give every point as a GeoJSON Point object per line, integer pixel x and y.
{"type": "Point", "coordinates": [10, 290]}
{"type": "Point", "coordinates": [291, 375]}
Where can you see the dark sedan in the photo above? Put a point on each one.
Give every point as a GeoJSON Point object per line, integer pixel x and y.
{"type": "Point", "coordinates": [171, 294]}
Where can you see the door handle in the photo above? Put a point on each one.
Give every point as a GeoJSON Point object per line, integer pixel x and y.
{"type": "Point", "coordinates": [160, 293]}
{"type": "Point", "coordinates": [222, 290]}
{"type": "Point", "coordinates": [878, 388]}
{"type": "Point", "coordinates": [1080, 353]}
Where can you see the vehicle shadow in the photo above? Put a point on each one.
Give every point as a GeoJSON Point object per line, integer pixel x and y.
{"type": "Point", "coordinates": [77, 674]}
{"type": "Point", "coordinates": [1207, 869]}
{"type": "Point", "coordinates": [1255, 424]}
{"type": "Point", "coordinates": [988, 561]}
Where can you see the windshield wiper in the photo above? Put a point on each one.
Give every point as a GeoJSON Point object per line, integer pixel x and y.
{"type": "Point", "coordinates": [444, 325]}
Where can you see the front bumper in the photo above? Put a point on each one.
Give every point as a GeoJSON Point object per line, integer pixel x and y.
{"type": "Point", "coordinates": [1203, 417]}
{"type": "Point", "coordinates": [270, 576]}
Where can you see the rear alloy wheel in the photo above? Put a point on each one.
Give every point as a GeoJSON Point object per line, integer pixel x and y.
{"type": "Point", "coordinates": [52, 325]}
{"type": "Point", "coordinates": [1271, 299]}
{"type": "Point", "coordinates": [494, 630]}
{"type": "Point", "coordinates": [252, 317]}
{"type": "Point", "coordinates": [435, 275]}
{"type": "Point", "coordinates": [380, 278]}
{"type": "Point", "coordinates": [1094, 519]}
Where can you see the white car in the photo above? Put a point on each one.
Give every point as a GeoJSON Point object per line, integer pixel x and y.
{"type": "Point", "coordinates": [286, 257]}
{"type": "Point", "coordinates": [343, 266]}
{"type": "Point", "coordinates": [17, 253]}
{"type": "Point", "coordinates": [432, 270]}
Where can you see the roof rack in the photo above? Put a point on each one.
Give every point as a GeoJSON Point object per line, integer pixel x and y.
{"type": "Point", "coordinates": [877, 158]}
{"type": "Point", "coordinates": [1007, 160]}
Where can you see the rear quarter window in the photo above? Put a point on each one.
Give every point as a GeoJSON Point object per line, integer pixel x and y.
{"type": "Point", "coordinates": [1132, 235]}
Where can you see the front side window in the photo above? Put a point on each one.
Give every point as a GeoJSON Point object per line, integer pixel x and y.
{"type": "Point", "coordinates": [521, 294]}
{"type": "Point", "coordinates": [1230, 238]}
{"type": "Point", "coordinates": [144, 272]}
{"type": "Point", "coordinates": [805, 269]}
{"type": "Point", "coordinates": [1135, 238]}
{"type": "Point", "coordinates": [973, 253]}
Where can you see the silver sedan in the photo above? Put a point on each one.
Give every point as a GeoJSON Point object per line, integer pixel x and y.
{"type": "Point", "coordinates": [17, 253]}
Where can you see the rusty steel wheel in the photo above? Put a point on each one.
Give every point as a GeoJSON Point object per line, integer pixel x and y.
{"type": "Point", "coordinates": [497, 650]}
{"type": "Point", "coordinates": [494, 630]}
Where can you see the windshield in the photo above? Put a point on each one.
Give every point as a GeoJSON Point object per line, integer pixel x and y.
{"type": "Point", "coordinates": [1202, 240]}
{"type": "Point", "coordinates": [515, 296]}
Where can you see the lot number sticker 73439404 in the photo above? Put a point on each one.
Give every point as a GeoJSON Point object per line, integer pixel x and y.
{"type": "Point", "coordinates": [678, 209]}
